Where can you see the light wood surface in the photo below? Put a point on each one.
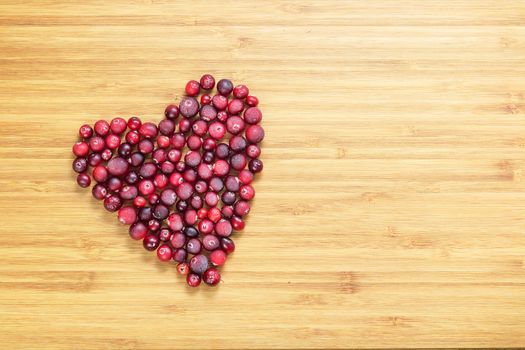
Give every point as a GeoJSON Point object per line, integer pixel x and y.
{"type": "Point", "coordinates": [391, 212]}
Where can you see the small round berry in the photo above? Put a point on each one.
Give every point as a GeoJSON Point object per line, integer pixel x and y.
{"type": "Point", "coordinates": [165, 234]}
{"type": "Point", "coordinates": [214, 214]}
{"type": "Point", "coordinates": [205, 99]}
{"type": "Point", "coordinates": [217, 130]}
{"type": "Point", "coordinates": [184, 125]}
{"type": "Point", "coordinates": [166, 127]}
{"type": "Point", "coordinates": [146, 187]}
{"type": "Point", "coordinates": [235, 125]}
{"type": "Point", "coordinates": [96, 144]}
{"type": "Point", "coordinates": [112, 203]}
{"type": "Point", "coordinates": [241, 208]}
{"type": "Point", "coordinates": [134, 123]}
{"type": "Point", "coordinates": [218, 257]}
{"type": "Point", "coordinates": [252, 101]}
{"type": "Point", "coordinates": [164, 253]}
{"type": "Point", "coordinates": [188, 107]}
{"type": "Point", "coordinates": [192, 88]}
{"type": "Point", "coordinates": [227, 245]}
{"type": "Point", "coordinates": [255, 165]}
{"type": "Point", "coordinates": [207, 82]}
{"type": "Point", "coordinates": [219, 102]}
{"type": "Point", "coordinates": [211, 277]}
{"type": "Point", "coordinates": [223, 228]}
{"type": "Point", "coordinates": [150, 242]}
{"type": "Point", "coordinates": [128, 192]}
{"type": "Point", "coordinates": [221, 167]}
{"type": "Point", "coordinates": [205, 226]}
{"type": "Point", "coordinates": [184, 191]}
{"type": "Point", "coordinates": [210, 242]}
{"type": "Point", "coordinates": [208, 113]}
{"type": "Point", "coordinates": [106, 154]}
{"type": "Point", "coordinates": [178, 240]}
{"type": "Point", "coordinates": [253, 151]}
{"type": "Point", "coordinates": [238, 143]}
{"type": "Point", "coordinates": [83, 180]}
{"type": "Point", "coordinates": [148, 130]}
{"type": "Point", "coordinates": [118, 166]}
{"type": "Point", "coordinates": [132, 137]}
{"type": "Point", "coordinates": [175, 222]}
{"type": "Point", "coordinates": [237, 223]}
{"type": "Point", "coordinates": [85, 131]}
{"type": "Point", "coordinates": [252, 115]}
{"type": "Point", "coordinates": [254, 133]}
{"type": "Point", "coordinates": [139, 202]}
{"type": "Point", "coordinates": [225, 87]}
{"type": "Point", "coordinates": [199, 264]}
{"type": "Point", "coordinates": [171, 112]}
{"type": "Point", "coordinates": [127, 215]}
{"type": "Point", "coordinates": [193, 246]}
{"type": "Point", "coordinates": [138, 231]}
{"type": "Point", "coordinates": [99, 192]}
{"type": "Point", "coordinates": [183, 268]}
{"type": "Point", "coordinates": [193, 280]}
{"type": "Point", "coordinates": [113, 141]}
{"type": "Point", "coordinates": [118, 126]}
{"type": "Point", "coordinates": [94, 159]}
{"type": "Point", "coordinates": [80, 165]}
{"type": "Point", "coordinates": [245, 176]}
{"type": "Point", "coordinates": [247, 192]}
{"type": "Point", "coordinates": [81, 149]}
{"type": "Point", "coordinates": [100, 173]}
{"type": "Point", "coordinates": [241, 91]}
{"type": "Point", "coordinates": [101, 128]}
{"type": "Point", "coordinates": [180, 255]}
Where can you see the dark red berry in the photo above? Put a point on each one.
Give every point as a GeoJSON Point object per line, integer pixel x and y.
{"type": "Point", "coordinates": [188, 107]}
{"type": "Point", "coordinates": [254, 133]}
{"type": "Point", "coordinates": [112, 203]}
{"type": "Point", "coordinates": [81, 149]}
{"type": "Point", "coordinates": [205, 226]}
{"type": "Point", "coordinates": [218, 257]}
{"type": "Point", "coordinates": [153, 225]}
{"type": "Point", "coordinates": [148, 130]}
{"type": "Point", "coordinates": [193, 246]}
{"type": "Point", "coordinates": [191, 231]}
{"type": "Point", "coordinates": [221, 167]}
{"type": "Point", "coordinates": [193, 280]}
{"type": "Point", "coordinates": [128, 192]}
{"type": "Point", "coordinates": [252, 101]}
{"type": "Point", "coordinates": [225, 87]}
{"type": "Point", "coordinates": [80, 165]}
{"type": "Point", "coordinates": [134, 123]}
{"type": "Point", "coordinates": [138, 231]}
{"type": "Point", "coordinates": [255, 165]}
{"type": "Point", "coordinates": [85, 131]}
{"type": "Point", "coordinates": [238, 161]}
{"type": "Point", "coordinates": [146, 187]}
{"type": "Point", "coordinates": [118, 126]}
{"type": "Point", "coordinates": [148, 170]}
{"type": "Point", "coordinates": [216, 184]}
{"type": "Point", "coordinates": [127, 215]}
{"type": "Point", "coordinates": [227, 210]}
{"type": "Point", "coordinates": [241, 208]}
{"type": "Point", "coordinates": [247, 192]}
{"type": "Point", "coordinates": [132, 137]}
{"type": "Point", "coordinates": [101, 128]}
{"type": "Point", "coordinates": [163, 141]}
{"type": "Point", "coordinates": [168, 197]}
{"type": "Point", "coordinates": [205, 99]}
{"type": "Point", "coordinates": [151, 242]}
{"type": "Point", "coordinates": [164, 234]}
{"type": "Point", "coordinates": [160, 212]}
{"type": "Point", "coordinates": [184, 125]}
{"type": "Point", "coordinates": [235, 125]}
{"type": "Point", "coordinates": [232, 183]}
{"type": "Point", "coordinates": [124, 149]}
{"type": "Point", "coordinates": [106, 154]}
{"type": "Point", "coordinates": [180, 255]}
{"type": "Point", "coordinates": [94, 159]}
{"type": "Point", "coordinates": [166, 127]}
{"type": "Point", "coordinates": [245, 176]}
{"type": "Point", "coordinates": [175, 222]}
{"type": "Point", "coordinates": [96, 144]}
{"type": "Point", "coordinates": [252, 115]}
{"type": "Point", "coordinates": [228, 197]}
{"type": "Point", "coordinates": [253, 151]}
{"type": "Point", "coordinates": [83, 180]}
{"type": "Point", "coordinates": [214, 214]}
{"type": "Point", "coordinates": [237, 223]}
{"type": "Point", "coordinates": [145, 146]}
{"type": "Point", "coordinates": [210, 242]}
{"type": "Point", "coordinates": [178, 240]}
{"type": "Point", "coordinates": [164, 253]}
{"type": "Point", "coordinates": [208, 113]}
{"type": "Point", "coordinates": [199, 264]}
{"type": "Point", "coordinates": [235, 106]}
{"type": "Point", "coordinates": [99, 192]}
{"type": "Point", "coordinates": [227, 245]}
{"type": "Point", "coordinates": [217, 130]}
{"type": "Point", "coordinates": [219, 102]}
{"type": "Point", "coordinates": [171, 112]}
{"type": "Point", "coordinates": [238, 143]}
{"type": "Point", "coordinates": [223, 228]}
{"type": "Point", "coordinates": [211, 277]}
{"type": "Point", "coordinates": [222, 151]}
{"type": "Point", "coordinates": [192, 88]}
{"type": "Point", "coordinates": [118, 166]}
{"type": "Point", "coordinates": [207, 82]}
{"type": "Point", "coordinates": [183, 268]}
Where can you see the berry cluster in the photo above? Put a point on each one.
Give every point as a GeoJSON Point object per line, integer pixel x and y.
{"type": "Point", "coordinates": [183, 185]}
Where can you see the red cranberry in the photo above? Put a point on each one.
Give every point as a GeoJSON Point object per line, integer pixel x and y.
{"type": "Point", "coordinates": [241, 208]}
{"type": "Point", "coordinates": [237, 223]}
{"type": "Point", "coordinates": [166, 127]}
{"type": "Point", "coordinates": [191, 231]}
{"type": "Point", "coordinates": [159, 156]}
{"type": "Point", "coordinates": [253, 151]}
{"type": "Point", "coordinates": [217, 130]}
{"type": "Point", "coordinates": [235, 125]}
{"type": "Point", "coordinates": [227, 245]}
{"type": "Point", "coordinates": [214, 214]}
{"type": "Point", "coordinates": [163, 141]}
{"type": "Point", "coordinates": [196, 203]}
{"type": "Point", "coordinates": [199, 264]}
{"type": "Point", "coordinates": [118, 126]}
{"type": "Point", "coordinates": [200, 127]}
{"type": "Point", "coordinates": [193, 280]}
{"type": "Point", "coordinates": [175, 179]}
{"type": "Point", "coordinates": [184, 191]}
{"type": "Point", "coordinates": [99, 192]}
{"type": "Point", "coordinates": [252, 101]}
{"type": "Point", "coordinates": [172, 112]}
{"type": "Point", "coordinates": [150, 242]}
{"type": "Point", "coordinates": [210, 242]}
{"type": "Point", "coordinates": [153, 199]}
{"type": "Point", "coordinates": [178, 240]}
{"type": "Point", "coordinates": [205, 99]}
{"type": "Point", "coordinates": [232, 183]}
{"type": "Point", "coordinates": [164, 234]}
{"type": "Point", "coordinates": [139, 202]}
{"type": "Point", "coordinates": [96, 144]}
{"type": "Point", "coordinates": [238, 143]}
{"type": "Point", "coordinates": [160, 181]}
{"type": "Point", "coordinates": [178, 141]}
{"type": "Point", "coordinates": [160, 212]}
{"type": "Point", "coordinates": [238, 161]}
{"type": "Point", "coordinates": [85, 131]}
{"type": "Point", "coordinates": [227, 211]}
{"type": "Point", "coordinates": [138, 231]}
{"type": "Point", "coordinates": [254, 133]}
{"type": "Point", "coordinates": [81, 149]}
{"type": "Point", "coordinates": [205, 171]}
{"type": "Point", "coordinates": [247, 192]}
{"type": "Point", "coordinates": [241, 91]}
{"type": "Point", "coordinates": [183, 268]}
{"type": "Point", "coordinates": [202, 213]}
{"type": "Point", "coordinates": [136, 159]}
{"type": "Point", "coordinates": [164, 253]}
{"type": "Point", "coordinates": [145, 146]}
{"type": "Point", "coordinates": [106, 154]}
{"type": "Point", "coordinates": [245, 176]}
{"type": "Point", "coordinates": [146, 187]}
{"type": "Point", "coordinates": [188, 107]}
{"type": "Point", "coordinates": [190, 175]}
{"type": "Point", "coordinates": [174, 155]}
{"type": "Point", "coordinates": [193, 246]}
{"type": "Point", "coordinates": [208, 157]}
{"type": "Point", "coordinates": [220, 102]}
{"type": "Point", "coordinates": [208, 113]}
{"type": "Point", "coordinates": [255, 165]}
{"type": "Point", "coordinates": [124, 149]}
{"type": "Point", "coordinates": [80, 165]}
{"type": "Point", "coordinates": [209, 144]}
{"type": "Point", "coordinates": [184, 125]}
{"type": "Point", "coordinates": [216, 184]}
{"type": "Point", "coordinates": [134, 123]}
{"type": "Point", "coordinates": [194, 142]}
{"type": "Point", "coordinates": [207, 82]}
{"type": "Point", "coordinates": [132, 137]}
{"type": "Point", "coordinates": [118, 166]}
{"type": "Point", "coordinates": [112, 203]}
{"type": "Point", "coordinates": [114, 184]}
{"type": "Point", "coordinates": [192, 158]}
{"type": "Point", "coordinates": [100, 173]}
{"type": "Point", "coordinates": [148, 130]}
{"type": "Point", "coordinates": [168, 197]}
{"type": "Point", "coordinates": [225, 87]}
{"type": "Point", "coordinates": [192, 88]}
{"type": "Point", "coordinates": [222, 151]}
{"type": "Point", "coordinates": [153, 225]}
{"type": "Point", "coordinates": [222, 116]}
{"type": "Point", "coordinates": [218, 257]}
{"type": "Point", "coordinates": [252, 115]}
{"type": "Point", "coordinates": [211, 277]}
{"type": "Point", "coordinates": [94, 159]}
{"type": "Point", "coordinates": [148, 170]}
{"type": "Point", "coordinates": [211, 199]}
{"type": "Point", "coordinates": [127, 215]}
{"type": "Point", "coordinates": [83, 180]}
{"type": "Point", "coordinates": [145, 214]}
{"type": "Point", "coordinates": [175, 222]}
{"type": "Point", "coordinates": [101, 128]}
{"type": "Point", "coordinates": [205, 226]}
{"type": "Point", "coordinates": [235, 106]}
{"type": "Point", "coordinates": [223, 228]}
{"type": "Point", "coordinates": [228, 197]}
{"type": "Point", "coordinates": [180, 255]}
{"type": "Point", "coordinates": [128, 192]}
{"type": "Point", "coordinates": [201, 186]}
{"type": "Point", "coordinates": [221, 167]}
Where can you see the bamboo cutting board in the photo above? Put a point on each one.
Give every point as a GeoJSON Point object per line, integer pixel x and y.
{"type": "Point", "coordinates": [391, 212]}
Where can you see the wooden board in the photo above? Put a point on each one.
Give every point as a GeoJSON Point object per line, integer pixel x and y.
{"type": "Point", "coordinates": [391, 212]}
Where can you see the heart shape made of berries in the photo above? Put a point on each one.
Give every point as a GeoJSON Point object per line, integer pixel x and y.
{"type": "Point", "coordinates": [183, 185]}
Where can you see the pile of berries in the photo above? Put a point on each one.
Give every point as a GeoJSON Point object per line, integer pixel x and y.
{"type": "Point", "coordinates": [184, 185]}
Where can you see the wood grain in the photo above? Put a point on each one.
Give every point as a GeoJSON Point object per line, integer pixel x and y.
{"type": "Point", "coordinates": [391, 212]}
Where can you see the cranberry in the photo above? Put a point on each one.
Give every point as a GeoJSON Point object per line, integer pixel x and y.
{"type": "Point", "coordinates": [114, 184]}
{"type": "Point", "coordinates": [181, 206]}
{"type": "Point", "coordinates": [101, 128]}
{"type": "Point", "coordinates": [184, 191]}
{"type": "Point", "coordinates": [188, 107]}
{"type": "Point", "coordinates": [100, 173]}
{"type": "Point", "coordinates": [178, 141]}
{"type": "Point", "coordinates": [148, 170]}
{"type": "Point", "coordinates": [94, 159]}
{"type": "Point", "coordinates": [175, 179]}
{"type": "Point", "coordinates": [153, 198]}
{"type": "Point", "coordinates": [192, 88]}
{"type": "Point", "coordinates": [132, 137]}
{"type": "Point", "coordinates": [216, 184]}
{"type": "Point", "coordinates": [194, 142]}
{"type": "Point", "coordinates": [164, 234]}
{"type": "Point", "coordinates": [218, 257]}
{"type": "Point", "coordinates": [183, 268]}
{"type": "Point", "coordinates": [223, 228]}
{"type": "Point", "coordinates": [255, 165]}
{"type": "Point", "coordinates": [200, 127]}
{"type": "Point", "coordinates": [160, 212]}
{"type": "Point", "coordinates": [211, 199]}
{"type": "Point", "coordinates": [118, 166]}
{"type": "Point", "coordinates": [247, 192]}
{"type": "Point", "coordinates": [208, 113]}
{"type": "Point", "coordinates": [128, 192]}
{"type": "Point", "coordinates": [252, 115]}
{"type": "Point", "coordinates": [159, 156]}
{"type": "Point", "coordinates": [99, 192]}
{"type": "Point", "coordinates": [153, 225]}
{"type": "Point", "coordinates": [112, 203]}
{"type": "Point", "coordinates": [178, 240]}
{"type": "Point", "coordinates": [232, 183]}
{"type": "Point", "coordinates": [167, 167]}
{"type": "Point", "coordinates": [222, 116]}
{"type": "Point", "coordinates": [83, 180]}
{"type": "Point", "coordinates": [208, 157]}
{"type": "Point", "coordinates": [217, 130]}
{"type": "Point", "coordinates": [211, 277]}
{"type": "Point", "coordinates": [207, 82]}
{"type": "Point", "coordinates": [145, 214]}
{"type": "Point", "coordinates": [175, 222]}
{"type": "Point", "coordinates": [171, 112]}
{"type": "Point", "coordinates": [238, 143]}
{"type": "Point", "coordinates": [166, 127]}
{"type": "Point", "coordinates": [238, 161]}
{"type": "Point", "coordinates": [225, 87]}
{"type": "Point", "coordinates": [124, 150]}
{"type": "Point", "coordinates": [196, 203]}
{"type": "Point", "coordinates": [191, 231]}
{"type": "Point", "coordinates": [134, 123]}
{"type": "Point", "coordinates": [201, 186]}
{"type": "Point", "coordinates": [222, 151]}
{"type": "Point", "coordinates": [184, 125]}
{"type": "Point", "coordinates": [163, 141]}
{"type": "Point", "coordinates": [241, 208]}
{"type": "Point", "coordinates": [139, 202]}
{"type": "Point", "coordinates": [151, 242]}
{"type": "Point", "coordinates": [221, 167]}
{"type": "Point", "coordinates": [146, 187]}
{"type": "Point", "coordinates": [220, 102]}
{"type": "Point", "coordinates": [168, 197]}
{"type": "Point", "coordinates": [80, 165]}
{"type": "Point", "coordinates": [235, 106]}
{"type": "Point", "coordinates": [189, 175]}
{"type": "Point", "coordinates": [131, 178]}
{"type": "Point", "coordinates": [192, 158]}
{"type": "Point", "coordinates": [160, 181]}
{"type": "Point", "coordinates": [164, 253]}
{"type": "Point", "coordinates": [205, 99]}
{"type": "Point", "coordinates": [193, 246]}
{"type": "Point", "coordinates": [193, 280]}
{"type": "Point", "coordinates": [245, 176]}
{"type": "Point", "coordinates": [174, 155]}
{"type": "Point", "coordinates": [205, 226]}
{"type": "Point", "coordinates": [138, 231]}
{"type": "Point", "coordinates": [254, 133]}
{"type": "Point", "coordinates": [205, 171]}
{"type": "Point", "coordinates": [237, 223]}
{"type": "Point", "coordinates": [127, 215]}
{"type": "Point", "coordinates": [106, 154]}
{"type": "Point", "coordinates": [252, 101]}
{"type": "Point", "coordinates": [228, 197]}
{"type": "Point", "coordinates": [81, 149]}
{"type": "Point", "coordinates": [199, 264]}
{"type": "Point", "coordinates": [96, 144]}
{"type": "Point", "coordinates": [180, 255]}
{"type": "Point", "coordinates": [227, 245]}
{"type": "Point", "coordinates": [235, 125]}
{"type": "Point", "coordinates": [148, 130]}
{"type": "Point", "coordinates": [214, 214]}
{"type": "Point", "coordinates": [136, 159]}
{"type": "Point", "coordinates": [202, 213]}
{"type": "Point", "coordinates": [253, 151]}
{"type": "Point", "coordinates": [85, 131]}
{"type": "Point", "coordinates": [241, 91]}
{"type": "Point", "coordinates": [210, 242]}
{"type": "Point", "coordinates": [227, 211]}
{"type": "Point", "coordinates": [209, 144]}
